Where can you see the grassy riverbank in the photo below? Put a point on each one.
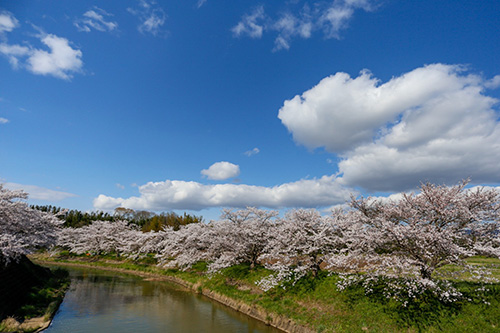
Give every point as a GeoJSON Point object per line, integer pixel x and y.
{"type": "Point", "coordinates": [317, 304]}
{"type": "Point", "coordinates": [30, 296]}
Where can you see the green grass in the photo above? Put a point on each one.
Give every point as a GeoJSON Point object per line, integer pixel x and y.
{"type": "Point", "coordinates": [317, 303]}
{"type": "Point", "coordinates": [44, 300]}
{"type": "Point", "coordinates": [38, 301]}
{"type": "Point", "coordinates": [491, 264]}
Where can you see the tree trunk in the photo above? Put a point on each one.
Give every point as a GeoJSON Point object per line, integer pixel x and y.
{"type": "Point", "coordinates": [426, 272]}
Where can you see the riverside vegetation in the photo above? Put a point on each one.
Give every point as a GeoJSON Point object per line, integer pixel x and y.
{"type": "Point", "coordinates": [31, 295]}
{"type": "Point", "coordinates": [426, 261]}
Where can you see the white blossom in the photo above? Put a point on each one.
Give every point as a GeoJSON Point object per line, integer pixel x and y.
{"type": "Point", "coordinates": [23, 229]}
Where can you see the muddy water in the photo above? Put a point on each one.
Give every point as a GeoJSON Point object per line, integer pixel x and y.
{"type": "Point", "coordinates": [100, 301]}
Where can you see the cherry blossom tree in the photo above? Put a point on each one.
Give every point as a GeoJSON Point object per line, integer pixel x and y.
{"type": "Point", "coordinates": [420, 233]}
{"type": "Point", "coordinates": [240, 237]}
{"type": "Point", "coordinates": [135, 243]}
{"type": "Point", "coordinates": [302, 242]}
{"type": "Point", "coordinates": [186, 246]}
{"type": "Point", "coordinates": [100, 237]}
{"type": "Point", "coordinates": [23, 229]}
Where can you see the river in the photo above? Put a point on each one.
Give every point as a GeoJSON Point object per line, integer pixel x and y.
{"type": "Point", "coordinates": [101, 301]}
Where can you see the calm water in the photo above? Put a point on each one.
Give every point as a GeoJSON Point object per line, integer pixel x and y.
{"type": "Point", "coordinates": [100, 301]}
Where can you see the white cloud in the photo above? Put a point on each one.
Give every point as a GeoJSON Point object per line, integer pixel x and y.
{"type": "Point", "coordinates": [289, 26]}
{"type": "Point", "coordinates": [252, 152]}
{"type": "Point", "coordinates": [7, 22]}
{"type": "Point", "coordinates": [251, 24]}
{"type": "Point", "coordinates": [14, 52]}
{"type": "Point", "coordinates": [4, 120]}
{"type": "Point", "coordinates": [152, 17]}
{"type": "Point", "coordinates": [200, 3]}
{"type": "Point", "coordinates": [221, 170]}
{"type": "Point", "coordinates": [95, 19]}
{"type": "Point", "coordinates": [40, 193]}
{"type": "Point", "coordinates": [103, 202]}
{"type": "Point", "coordinates": [493, 83]}
{"type": "Point", "coordinates": [60, 61]}
{"type": "Point", "coordinates": [336, 17]}
{"type": "Point", "coordinates": [175, 194]}
{"type": "Point", "coordinates": [120, 186]}
{"type": "Point", "coordinates": [432, 124]}
{"type": "Point", "coordinates": [329, 17]}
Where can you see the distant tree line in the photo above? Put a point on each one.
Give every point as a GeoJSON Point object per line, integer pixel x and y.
{"type": "Point", "coordinates": [146, 220]}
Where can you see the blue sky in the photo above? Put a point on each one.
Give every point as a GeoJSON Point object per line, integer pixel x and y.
{"type": "Point", "coordinates": [198, 105]}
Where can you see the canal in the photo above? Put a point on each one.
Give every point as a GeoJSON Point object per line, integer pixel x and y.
{"type": "Point", "coordinates": [102, 301]}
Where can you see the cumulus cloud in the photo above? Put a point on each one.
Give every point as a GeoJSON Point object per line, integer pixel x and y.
{"type": "Point", "coordinates": [432, 124]}
{"type": "Point", "coordinates": [221, 170]}
{"type": "Point", "coordinates": [330, 18]}
{"type": "Point", "coordinates": [252, 152]}
{"type": "Point", "coordinates": [151, 16]}
{"type": "Point", "coordinates": [95, 18]}
{"type": "Point", "coordinates": [40, 193]}
{"type": "Point", "coordinates": [175, 194]}
{"type": "Point", "coordinates": [4, 120]}
{"type": "Point", "coordinates": [493, 83]}
{"type": "Point", "coordinates": [61, 60]}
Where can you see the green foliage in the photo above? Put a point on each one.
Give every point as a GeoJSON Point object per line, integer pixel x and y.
{"type": "Point", "coordinates": [149, 259]}
{"type": "Point", "coordinates": [305, 284]}
{"type": "Point", "coordinates": [43, 299]}
{"type": "Point", "coordinates": [240, 271]}
{"type": "Point", "coordinates": [171, 219]}
{"type": "Point", "coordinates": [48, 209]}
{"type": "Point", "coordinates": [146, 220]}
{"type": "Point", "coordinates": [199, 267]}
{"type": "Point", "coordinates": [75, 218]}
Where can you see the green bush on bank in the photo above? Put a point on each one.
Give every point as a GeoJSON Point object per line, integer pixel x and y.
{"type": "Point", "coordinates": [29, 291]}
{"type": "Point", "coordinates": [40, 301]}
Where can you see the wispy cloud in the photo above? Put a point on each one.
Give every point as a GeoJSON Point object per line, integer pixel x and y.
{"type": "Point", "coordinates": [252, 24]}
{"type": "Point", "coordinates": [330, 18]}
{"type": "Point", "coordinates": [96, 19]}
{"type": "Point", "coordinates": [152, 17]}
{"type": "Point", "coordinates": [40, 193]}
{"type": "Point", "coordinates": [4, 120]}
{"type": "Point", "coordinates": [14, 53]}
{"type": "Point", "coordinates": [7, 22]}
{"type": "Point", "coordinates": [252, 152]}
{"type": "Point", "coordinates": [200, 3]}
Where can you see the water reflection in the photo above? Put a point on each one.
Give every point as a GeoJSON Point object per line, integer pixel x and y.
{"type": "Point", "coordinates": [100, 301]}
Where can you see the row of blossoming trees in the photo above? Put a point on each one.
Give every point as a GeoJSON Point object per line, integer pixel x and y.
{"type": "Point", "coordinates": [403, 242]}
